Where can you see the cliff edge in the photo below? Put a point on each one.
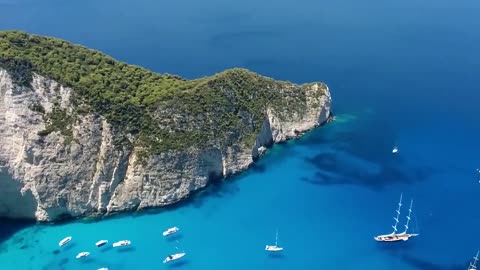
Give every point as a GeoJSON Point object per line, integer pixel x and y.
{"type": "Point", "coordinates": [83, 134]}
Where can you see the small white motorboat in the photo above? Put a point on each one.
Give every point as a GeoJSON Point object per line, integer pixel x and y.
{"type": "Point", "coordinates": [103, 268]}
{"type": "Point", "coordinates": [170, 231]}
{"type": "Point", "coordinates": [273, 248]}
{"type": "Point", "coordinates": [82, 254]}
{"type": "Point", "coordinates": [65, 241]}
{"type": "Point", "coordinates": [122, 243]}
{"type": "Point", "coordinates": [395, 150]}
{"type": "Point", "coordinates": [174, 257]}
{"type": "Point", "coordinates": [101, 243]}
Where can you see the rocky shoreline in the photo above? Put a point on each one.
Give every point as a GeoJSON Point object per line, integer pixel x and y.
{"type": "Point", "coordinates": [64, 154]}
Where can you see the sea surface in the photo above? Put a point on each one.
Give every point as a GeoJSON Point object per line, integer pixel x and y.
{"type": "Point", "coordinates": [402, 73]}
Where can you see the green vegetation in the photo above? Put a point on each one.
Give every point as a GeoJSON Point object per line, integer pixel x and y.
{"type": "Point", "coordinates": [161, 111]}
{"type": "Point", "coordinates": [58, 120]}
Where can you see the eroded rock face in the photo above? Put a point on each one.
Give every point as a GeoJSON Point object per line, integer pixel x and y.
{"type": "Point", "coordinates": [47, 177]}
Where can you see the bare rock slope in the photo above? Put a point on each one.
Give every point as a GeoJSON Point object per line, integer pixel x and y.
{"type": "Point", "coordinates": [48, 174]}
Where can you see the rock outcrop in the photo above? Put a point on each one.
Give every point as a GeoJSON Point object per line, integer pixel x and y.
{"type": "Point", "coordinates": [45, 178]}
{"type": "Point", "coordinates": [83, 134]}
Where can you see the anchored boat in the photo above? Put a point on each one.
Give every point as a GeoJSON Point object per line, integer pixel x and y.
{"type": "Point", "coordinates": [122, 243]}
{"type": "Point", "coordinates": [101, 243]}
{"type": "Point", "coordinates": [170, 231]}
{"type": "Point", "coordinates": [274, 248]}
{"type": "Point", "coordinates": [394, 236]}
{"type": "Point", "coordinates": [174, 257]}
{"type": "Point", "coordinates": [82, 254]}
{"type": "Point", "coordinates": [64, 241]}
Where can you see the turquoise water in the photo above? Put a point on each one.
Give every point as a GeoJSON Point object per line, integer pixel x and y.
{"type": "Point", "coordinates": [403, 73]}
{"type": "Point", "coordinates": [328, 194]}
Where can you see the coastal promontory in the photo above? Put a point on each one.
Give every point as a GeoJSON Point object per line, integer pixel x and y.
{"type": "Point", "coordinates": [84, 134]}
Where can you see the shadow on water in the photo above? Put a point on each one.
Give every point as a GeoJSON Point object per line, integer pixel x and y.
{"type": "Point", "coordinates": [276, 255]}
{"type": "Point", "coordinates": [395, 248]}
{"type": "Point", "coordinates": [359, 155]}
{"type": "Point", "coordinates": [10, 227]}
{"type": "Point", "coordinates": [178, 264]}
{"type": "Point", "coordinates": [63, 262]}
{"type": "Point", "coordinates": [334, 169]}
{"type": "Point", "coordinates": [258, 167]}
{"type": "Point", "coordinates": [56, 264]}
{"type": "Point", "coordinates": [69, 246]}
{"type": "Point", "coordinates": [174, 237]}
{"type": "Point", "coordinates": [420, 264]}
{"type": "Point", "coordinates": [400, 249]}
{"type": "Point", "coordinates": [87, 260]}
{"type": "Point", "coordinates": [127, 249]}
{"type": "Point", "coordinates": [106, 248]}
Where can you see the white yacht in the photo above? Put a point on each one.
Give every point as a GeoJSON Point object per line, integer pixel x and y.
{"type": "Point", "coordinates": [170, 231]}
{"type": "Point", "coordinates": [65, 241]}
{"type": "Point", "coordinates": [82, 254]}
{"type": "Point", "coordinates": [395, 150]}
{"type": "Point", "coordinates": [174, 257]}
{"type": "Point", "coordinates": [394, 236]}
{"type": "Point", "coordinates": [274, 248]}
{"type": "Point", "coordinates": [101, 243]}
{"type": "Point", "coordinates": [122, 243]}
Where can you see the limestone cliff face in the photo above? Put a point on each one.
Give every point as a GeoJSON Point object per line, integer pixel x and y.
{"type": "Point", "coordinates": [47, 178]}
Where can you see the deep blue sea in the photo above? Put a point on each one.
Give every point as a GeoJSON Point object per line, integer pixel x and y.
{"type": "Point", "coordinates": [402, 73]}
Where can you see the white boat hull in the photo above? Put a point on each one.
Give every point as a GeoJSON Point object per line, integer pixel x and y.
{"type": "Point", "coordinates": [121, 243]}
{"type": "Point", "coordinates": [82, 255]}
{"type": "Point", "coordinates": [395, 237]}
{"type": "Point", "coordinates": [170, 231]}
{"type": "Point", "coordinates": [174, 257]}
{"type": "Point", "coordinates": [65, 241]}
{"type": "Point", "coordinates": [101, 243]}
{"type": "Point", "coordinates": [273, 248]}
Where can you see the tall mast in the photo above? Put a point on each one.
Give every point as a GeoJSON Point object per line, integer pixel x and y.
{"type": "Point", "coordinates": [276, 238]}
{"type": "Point", "coordinates": [474, 264]}
{"type": "Point", "coordinates": [398, 214]}
{"type": "Point", "coordinates": [408, 217]}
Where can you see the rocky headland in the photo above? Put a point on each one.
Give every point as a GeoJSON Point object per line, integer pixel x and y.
{"type": "Point", "coordinates": [83, 134]}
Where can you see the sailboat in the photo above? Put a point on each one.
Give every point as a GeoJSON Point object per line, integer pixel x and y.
{"type": "Point", "coordinates": [394, 236]}
{"type": "Point", "coordinates": [274, 248]}
{"type": "Point", "coordinates": [473, 265]}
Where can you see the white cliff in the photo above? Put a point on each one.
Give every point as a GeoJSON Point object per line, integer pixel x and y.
{"type": "Point", "coordinates": [47, 178]}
